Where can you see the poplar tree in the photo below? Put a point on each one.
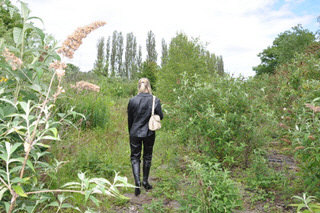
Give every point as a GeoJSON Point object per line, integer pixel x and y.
{"type": "Point", "coordinates": [139, 59]}
{"type": "Point", "coordinates": [164, 56]}
{"type": "Point", "coordinates": [113, 53]}
{"type": "Point", "coordinates": [134, 66]}
{"type": "Point", "coordinates": [220, 65]}
{"type": "Point", "coordinates": [151, 47]}
{"type": "Point", "coordinates": [107, 61]}
{"type": "Point", "coordinates": [119, 54]}
{"type": "Point", "coordinates": [128, 55]}
{"type": "Point", "coordinates": [211, 62]}
{"type": "Point", "coordinates": [99, 63]}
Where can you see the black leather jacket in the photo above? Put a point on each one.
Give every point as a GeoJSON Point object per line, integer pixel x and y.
{"type": "Point", "coordinates": [139, 113]}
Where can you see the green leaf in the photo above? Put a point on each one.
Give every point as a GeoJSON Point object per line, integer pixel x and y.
{"type": "Point", "coordinates": [7, 206]}
{"type": "Point", "coordinates": [1, 42]}
{"type": "Point", "coordinates": [34, 17]}
{"type": "Point", "coordinates": [49, 138]}
{"type": "Point", "coordinates": [8, 101]}
{"type": "Point", "coordinates": [17, 35]}
{"type": "Point", "coordinates": [25, 106]}
{"type": "Point", "coordinates": [86, 197]}
{"type": "Point", "coordinates": [14, 147]}
{"type": "Point", "coordinates": [72, 185]}
{"type": "Point", "coordinates": [25, 11]}
{"type": "Point", "coordinates": [66, 205]}
{"type": "Point", "coordinates": [29, 163]}
{"type": "Point", "coordinates": [4, 157]}
{"type": "Point", "coordinates": [18, 189]}
{"type": "Point", "coordinates": [54, 204]}
{"type": "Point", "coordinates": [94, 200]}
{"type": "Point", "coordinates": [11, 11]}
{"type": "Point", "coordinates": [2, 191]}
{"type": "Point", "coordinates": [42, 145]}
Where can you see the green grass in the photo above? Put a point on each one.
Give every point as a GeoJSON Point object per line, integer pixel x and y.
{"type": "Point", "coordinates": [101, 151]}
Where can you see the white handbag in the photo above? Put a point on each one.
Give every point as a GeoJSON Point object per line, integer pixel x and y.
{"type": "Point", "coordinates": [154, 122]}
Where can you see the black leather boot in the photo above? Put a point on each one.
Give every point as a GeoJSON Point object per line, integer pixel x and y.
{"type": "Point", "coordinates": [136, 175]}
{"type": "Point", "coordinates": [146, 171]}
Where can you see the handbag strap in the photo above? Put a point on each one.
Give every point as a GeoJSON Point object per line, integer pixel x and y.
{"type": "Point", "coordinates": [153, 102]}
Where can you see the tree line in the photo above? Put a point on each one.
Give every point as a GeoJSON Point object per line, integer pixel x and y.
{"type": "Point", "coordinates": [121, 56]}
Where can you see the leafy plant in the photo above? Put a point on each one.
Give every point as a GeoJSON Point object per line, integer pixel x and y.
{"type": "Point", "coordinates": [28, 123]}
{"type": "Point", "coordinates": [307, 204]}
{"type": "Point", "coordinates": [211, 189]}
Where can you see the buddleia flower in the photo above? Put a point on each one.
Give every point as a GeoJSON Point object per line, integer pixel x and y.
{"type": "Point", "coordinates": [73, 42]}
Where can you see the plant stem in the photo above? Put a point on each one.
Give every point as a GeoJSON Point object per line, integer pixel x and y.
{"type": "Point", "coordinates": [31, 139]}
{"type": "Point", "coordinates": [13, 202]}
{"type": "Point", "coordinates": [4, 183]}
{"type": "Point", "coordinates": [16, 93]}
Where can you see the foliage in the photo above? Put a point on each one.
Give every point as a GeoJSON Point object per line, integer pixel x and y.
{"type": "Point", "coordinates": [152, 54]}
{"type": "Point", "coordinates": [263, 180]}
{"type": "Point", "coordinates": [28, 123]}
{"type": "Point", "coordinates": [9, 19]}
{"type": "Point", "coordinates": [150, 70]}
{"type": "Point", "coordinates": [164, 55]}
{"type": "Point", "coordinates": [118, 88]}
{"type": "Point", "coordinates": [219, 118]}
{"type": "Point", "coordinates": [130, 64]}
{"type": "Point", "coordinates": [155, 206]}
{"type": "Point", "coordinates": [93, 106]}
{"type": "Point", "coordinates": [211, 189]}
{"type": "Point", "coordinates": [296, 98]}
{"type": "Point", "coordinates": [184, 56]}
{"type": "Point", "coordinates": [100, 61]}
{"type": "Point", "coordinates": [307, 203]}
{"type": "Point", "coordinates": [284, 47]}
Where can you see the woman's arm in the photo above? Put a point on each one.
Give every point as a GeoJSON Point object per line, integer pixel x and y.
{"type": "Point", "coordinates": [158, 109]}
{"type": "Point", "coordinates": [130, 116]}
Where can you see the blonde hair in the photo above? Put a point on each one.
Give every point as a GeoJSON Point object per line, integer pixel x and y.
{"type": "Point", "coordinates": [144, 86]}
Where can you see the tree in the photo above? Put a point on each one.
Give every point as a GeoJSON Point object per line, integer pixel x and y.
{"type": "Point", "coordinates": [151, 47]}
{"type": "Point", "coordinates": [283, 49]}
{"type": "Point", "coordinates": [130, 54]}
{"type": "Point", "coordinates": [114, 53]}
{"type": "Point", "coordinates": [150, 70]}
{"type": "Point", "coordinates": [164, 56]}
{"type": "Point", "coordinates": [139, 59]}
{"type": "Point", "coordinates": [185, 57]}
{"type": "Point", "coordinates": [107, 61]}
{"type": "Point", "coordinates": [9, 19]}
{"type": "Point", "coordinates": [134, 66]}
{"type": "Point", "coordinates": [119, 54]}
{"type": "Point", "coordinates": [220, 65]}
{"type": "Point", "coordinates": [99, 63]}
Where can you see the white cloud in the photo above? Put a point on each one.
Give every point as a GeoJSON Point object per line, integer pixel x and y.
{"type": "Point", "coordinates": [236, 29]}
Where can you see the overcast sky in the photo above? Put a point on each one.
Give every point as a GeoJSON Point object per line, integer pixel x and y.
{"type": "Point", "coordinates": [236, 29]}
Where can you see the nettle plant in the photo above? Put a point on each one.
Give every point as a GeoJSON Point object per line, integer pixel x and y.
{"type": "Point", "coordinates": [28, 122]}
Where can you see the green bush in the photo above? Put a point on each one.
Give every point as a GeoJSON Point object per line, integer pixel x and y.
{"type": "Point", "coordinates": [118, 88]}
{"type": "Point", "coordinates": [220, 118]}
{"type": "Point", "coordinates": [150, 70]}
{"type": "Point", "coordinates": [93, 106]}
{"type": "Point", "coordinates": [295, 103]}
{"type": "Point", "coordinates": [211, 189]}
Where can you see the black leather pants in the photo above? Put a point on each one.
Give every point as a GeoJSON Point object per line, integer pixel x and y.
{"type": "Point", "coordinates": [136, 148]}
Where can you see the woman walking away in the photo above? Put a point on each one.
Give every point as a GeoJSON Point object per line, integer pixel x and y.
{"type": "Point", "coordinates": [139, 113]}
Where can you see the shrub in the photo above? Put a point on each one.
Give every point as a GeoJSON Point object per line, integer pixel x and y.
{"type": "Point", "coordinates": [219, 118]}
{"type": "Point", "coordinates": [27, 124]}
{"type": "Point", "coordinates": [211, 189]}
{"type": "Point", "coordinates": [93, 106]}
